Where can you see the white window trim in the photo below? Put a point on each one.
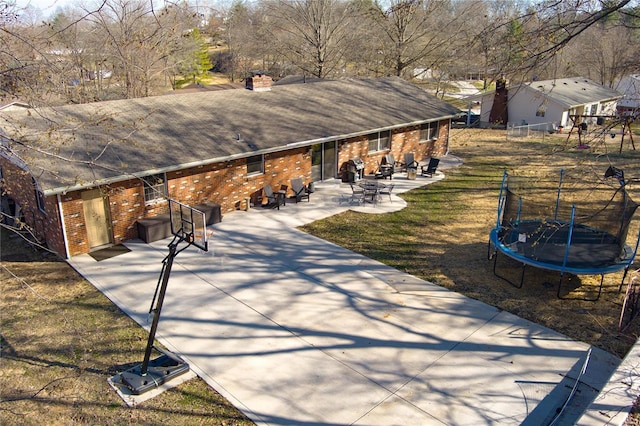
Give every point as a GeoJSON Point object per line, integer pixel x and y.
{"type": "Point", "coordinates": [158, 197]}
{"type": "Point", "coordinates": [378, 139]}
{"type": "Point", "coordinates": [435, 125]}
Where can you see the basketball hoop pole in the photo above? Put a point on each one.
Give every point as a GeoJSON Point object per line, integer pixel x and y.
{"type": "Point", "coordinates": [151, 374]}
{"type": "Point", "coordinates": [166, 271]}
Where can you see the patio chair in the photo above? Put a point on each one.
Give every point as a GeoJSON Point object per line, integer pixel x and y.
{"type": "Point", "coordinates": [409, 162]}
{"type": "Point", "coordinates": [386, 190]}
{"type": "Point", "coordinates": [273, 200]}
{"type": "Point", "coordinates": [357, 194]}
{"type": "Point", "coordinates": [386, 168]}
{"type": "Point", "coordinates": [430, 168]}
{"type": "Point", "coordinates": [299, 189]}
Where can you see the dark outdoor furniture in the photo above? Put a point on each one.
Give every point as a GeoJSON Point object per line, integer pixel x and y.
{"type": "Point", "coordinates": [159, 227]}
{"type": "Point", "coordinates": [386, 167]}
{"type": "Point", "coordinates": [299, 189]}
{"type": "Point", "coordinates": [357, 193]}
{"type": "Point", "coordinates": [372, 190]}
{"type": "Point", "coordinates": [274, 200]}
{"type": "Point", "coordinates": [409, 162]}
{"type": "Point", "coordinates": [154, 228]}
{"type": "Point", "coordinates": [430, 168]}
{"type": "Point", "coordinates": [386, 190]}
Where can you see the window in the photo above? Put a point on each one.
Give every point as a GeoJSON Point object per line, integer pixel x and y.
{"type": "Point", "coordinates": [429, 131]}
{"type": "Point", "coordinates": [541, 111]}
{"type": "Point", "coordinates": [380, 141]}
{"type": "Point", "coordinates": [255, 165]}
{"type": "Point", "coordinates": [594, 109]}
{"type": "Point", "coordinates": [155, 188]}
{"type": "Point", "coordinates": [39, 195]}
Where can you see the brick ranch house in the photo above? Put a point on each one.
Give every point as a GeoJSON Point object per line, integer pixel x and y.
{"type": "Point", "coordinates": [81, 176]}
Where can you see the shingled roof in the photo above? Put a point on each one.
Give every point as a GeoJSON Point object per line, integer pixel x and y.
{"type": "Point", "coordinates": [572, 92]}
{"type": "Point", "coordinates": [114, 140]}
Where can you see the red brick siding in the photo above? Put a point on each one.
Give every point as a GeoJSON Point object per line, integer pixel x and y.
{"type": "Point", "coordinates": [402, 141]}
{"type": "Point", "coordinates": [18, 185]}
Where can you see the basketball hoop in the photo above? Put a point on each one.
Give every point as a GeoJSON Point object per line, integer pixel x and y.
{"type": "Point", "coordinates": [199, 234]}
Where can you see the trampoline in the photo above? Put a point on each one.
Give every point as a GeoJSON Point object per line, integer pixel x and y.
{"type": "Point", "coordinates": [579, 230]}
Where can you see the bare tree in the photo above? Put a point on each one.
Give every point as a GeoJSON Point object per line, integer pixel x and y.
{"type": "Point", "coordinates": [416, 32]}
{"type": "Point", "coordinates": [606, 52]}
{"type": "Point", "coordinates": [546, 28]}
{"type": "Point", "coordinates": [140, 39]}
{"type": "Point", "coordinates": [312, 34]}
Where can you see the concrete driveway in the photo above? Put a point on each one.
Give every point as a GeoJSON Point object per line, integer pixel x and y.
{"type": "Point", "coordinates": [294, 330]}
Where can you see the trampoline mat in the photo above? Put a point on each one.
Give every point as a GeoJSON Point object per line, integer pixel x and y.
{"type": "Point", "coordinates": [546, 242]}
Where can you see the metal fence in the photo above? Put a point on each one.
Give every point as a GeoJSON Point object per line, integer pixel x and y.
{"type": "Point", "coordinates": [537, 131]}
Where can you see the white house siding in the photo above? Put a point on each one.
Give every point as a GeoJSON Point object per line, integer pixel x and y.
{"type": "Point", "coordinates": [524, 104]}
{"type": "Point", "coordinates": [630, 87]}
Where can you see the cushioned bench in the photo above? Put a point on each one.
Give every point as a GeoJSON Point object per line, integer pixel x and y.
{"type": "Point", "coordinates": [154, 228]}
{"type": "Point", "coordinates": [159, 227]}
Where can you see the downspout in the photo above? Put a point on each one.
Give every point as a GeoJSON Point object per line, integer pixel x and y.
{"type": "Point", "coordinates": [64, 228]}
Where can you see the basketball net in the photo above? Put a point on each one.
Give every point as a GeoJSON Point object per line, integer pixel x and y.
{"type": "Point", "coordinates": [198, 235]}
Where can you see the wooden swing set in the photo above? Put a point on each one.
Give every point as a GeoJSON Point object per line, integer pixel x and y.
{"type": "Point", "coordinates": [581, 126]}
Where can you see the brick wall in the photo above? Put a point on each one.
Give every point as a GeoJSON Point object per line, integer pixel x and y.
{"type": "Point", "coordinates": [18, 185]}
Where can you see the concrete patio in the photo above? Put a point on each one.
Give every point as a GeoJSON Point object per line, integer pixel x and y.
{"type": "Point", "coordinates": [294, 330]}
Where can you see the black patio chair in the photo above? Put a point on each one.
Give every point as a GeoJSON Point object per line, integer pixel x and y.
{"type": "Point", "coordinates": [386, 190]}
{"type": "Point", "coordinates": [357, 194]}
{"type": "Point", "coordinates": [387, 167]}
{"type": "Point", "coordinates": [430, 168]}
{"type": "Point", "coordinates": [273, 200]}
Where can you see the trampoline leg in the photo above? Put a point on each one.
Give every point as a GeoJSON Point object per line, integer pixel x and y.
{"type": "Point", "coordinates": [495, 261]}
{"type": "Point", "coordinates": [623, 277]}
{"type": "Point", "coordinates": [524, 266]}
{"type": "Point", "coordinates": [585, 299]}
{"type": "Point", "coordinates": [600, 289]}
{"type": "Point", "coordinates": [560, 285]}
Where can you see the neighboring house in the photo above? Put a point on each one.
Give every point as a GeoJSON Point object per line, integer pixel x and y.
{"type": "Point", "coordinates": [102, 167]}
{"type": "Point", "coordinates": [630, 102]}
{"type": "Point", "coordinates": [552, 102]}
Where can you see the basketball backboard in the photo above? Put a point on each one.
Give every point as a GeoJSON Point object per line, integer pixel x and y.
{"type": "Point", "coordinates": [188, 224]}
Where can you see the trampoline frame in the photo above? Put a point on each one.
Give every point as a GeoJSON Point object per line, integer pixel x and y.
{"type": "Point", "coordinates": [496, 244]}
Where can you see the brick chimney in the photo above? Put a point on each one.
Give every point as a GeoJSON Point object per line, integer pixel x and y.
{"type": "Point", "coordinates": [259, 82]}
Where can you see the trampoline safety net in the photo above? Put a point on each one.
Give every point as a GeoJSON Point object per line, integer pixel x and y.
{"type": "Point", "coordinates": [566, 222]}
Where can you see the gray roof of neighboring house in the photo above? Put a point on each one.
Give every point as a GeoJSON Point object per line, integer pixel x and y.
{"type": "Point", "coordinates": [114, 140]}
{"type": "Point", "coordinates": [572, 92]}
